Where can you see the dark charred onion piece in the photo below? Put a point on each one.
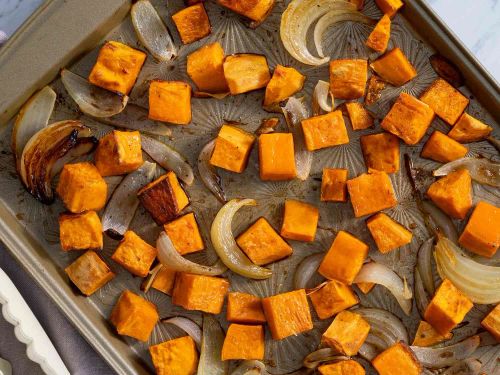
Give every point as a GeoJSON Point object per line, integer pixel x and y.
{"type": "Point", "coordinates": [446, 70]}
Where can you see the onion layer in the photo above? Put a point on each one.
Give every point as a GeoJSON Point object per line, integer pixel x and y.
{"type": "Point", "coordinates": [252, 367]}
{"type": "Point", "coordinates": [424, 265]}
{"type": "Point", "coordinates": [470, 366]}
{"type": "Point", "coordinates": [421, 297]}
{"type": "Point", "coordinates": [306, 270]}
{"type": "Point", "coordinates": [441, 221]}
{"type": "Point", "coordinates": [320, 98]}
{"type": "Point", "coordinates": [384, 325]}
{"type": "Point", "coordinates": [314, 359]}
{"type": "Point", "coordinates": [188, 326]}
{"type": "Point", "coordinates": [211, 347]}
{"type": "Point", "coordinates": [481, 170]}
{"type": "Point", "coordinates": [208, 173]}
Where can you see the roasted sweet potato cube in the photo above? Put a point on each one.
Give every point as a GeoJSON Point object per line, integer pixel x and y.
{"type": "Point", "coordinates": [80, 231]}
{"type": "Point", "coordinates": [348, 78]}
{"type": "Point", "coordinates": [469, 129]}
{"type": "Point", "coordinates": [256, 10]}
{"type": "Point", "coordinates": [332, 298]}
{"type": "Point", "coordinates": [409, 119]}
{"type": "Point", "coordinates": [349, 367]}
{"type": "Point", "coordinates": [365, 287]}
{"type": "Point", "coordinates": [453, 193]}
{"type": "Point", "coordinates": [287, 314]}
{"type": "Point", "coordinates": [380, 35]}
{"type": "Point", "coordinates": [262, 244]}
{"type": "Point", "coordinates": [394, 67]}
{"type": "Point", "coordinates": [334, 185]}
{"type": "Point", "coordinates": [175, 357]}
{"type": "Point", "coordinates": [389, 7]}
{"type": "Point", "coordinates": [89, 272]}
{"type": "Point", "coordinates": [398, 359]}
{"type": "Point", "coordinates": [358, 115]}
{"type": "Point", "coordinates": [325, 131]}
{"type": "Point", "coordinates": [344, 259]}
{"type": "Point", "coordinates": [185, 234]}
{"type": "Point", "coordinates": [481, 235]}
{"type": "Point", "coordinates": [164, 198]}
{"type": "Point", "coordinates": [285, 82]}
{"type": "Point", "coordinates": [427, 336]}
{"type": "Point", "coordinates": [119, 152]}
{"type": "Point", "coordinates": [491, 322]}
{"type": "Point", "coordinates": [381, 152]}
{"type": "Point", "coordinates": [347, 333]}
{"type": "Point", "coordinates": [244, 308]}
{"type": "Point", "coordinates": [447, 308]}
{"type": "Point", "coordinates": [204, 67]}
{"type": "Point", "coordinates": [134, 316]}
{"type": "Point", "coordinates": [443, 149]}
{"type": "Point", "coordinates": [117, 67]}
{"type": "Point", "coordinates": [300, 221]}
{"type": "Point", "coordinates": [445, 100]}
{"type": "Point", "coordinates": [164, 280]}
{"type": "Point", "coordinates": [387, 233]}
{"type": "Point", "coordinates": [371, 192]}
{"type": "Point", "coordinates": [246, 72]}
{"type": "Point", "coordinates": [198, 292]}
{"type": "Point", "coordinates": [374, 89]}
{"type": "Point", "coordinates": [243, 342]}
{"type": "Point", "coordinates": [134, 254]}
{"type": "Point", "coordinates": [192, 23]}
{"type": "Point", "coordinates": [232, 149]}
{"type": "Point", "coordinates": [277, 156]}
{"type": "Point", "coordinates": [170, 101]}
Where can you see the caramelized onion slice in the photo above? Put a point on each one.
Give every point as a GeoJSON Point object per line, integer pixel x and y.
{"type": "Point", "coordinates": [481, 170]}
{"type": "Point", "coordinates": [314, 359]}
{"type": "Point", "coordinates": [306, 269]}
{"type": "Point", "coordinates": [208, 172]}
{"type": "Point", "coordinates": [211, 348]}
{"type": "Point", "coordinates": [424, 265]}
{"type": "Point", "coordinates": [436, 358]}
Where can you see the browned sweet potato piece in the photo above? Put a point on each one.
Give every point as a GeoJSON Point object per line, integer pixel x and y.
{"type": "Point", "coordinates": [374, 89]}
{"type": "Point", "coordinates": [192, 23]}
{"type": "Point", "coordinates": [256, 10]}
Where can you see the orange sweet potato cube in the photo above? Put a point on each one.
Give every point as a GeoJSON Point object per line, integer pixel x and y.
{"type": "Point", "coordinates": [350, 367]}
{"type": "Point", "coordinates": [175, 357]}
{"type": "Point", "coordinates": [117, 67]}
{"type": "Point", "coordinates": [398, 359]}
{"type": "Point", "coordinates": [409, 119]}
{"type": "Point", "coordinates": [246, 72]}
{"type": "Point", "coordinates": [447, 308]}
{"type": "Point", "coordinates": [348, 78]}
{"type": "Point", "coordinates": [244, 308]}
{"type": "Point", "coordinates": [445, 100]}
{"type": "Point", "coordinates": [82, 188]}
{"type": "Point", "coordinates": [300, 221]}
{"type": "Point", "coordinates": [192, 23]}
{"type": "Point", "coordinates": [170, 101]}
{"type": "Point", "coordinates": [119, 152]}
{"type": "Point", "coordinates": [358, 115]}
{"type": "Point", "coordinates": [371, 192]}
{"type": "Point", "coordinates": [256, 10]}
{"type": "Point", "coordinates": [134, 254]}
{"type": "Point", "coordinates": [325, 131]}
{"type": "Point", "coordinates": [277, 156]}
{"type": "Point", "coordinates": [381, 152]}
{"type": "Point", "coordinates": [347, 333]}
{"type": "Point", "coordinates": [285, 82]}
{"type": "Point", "coordinates": [491, 322]}
{"type": "Point", "coordinates": [427, 336]}
{"type": "Point", "coordinates": [481, 235]}
{"type": "Point", "coordinates": [344, 259]}
{"type": "Point", "coordinates": [287, 314]}
{"type": "Point", "coordinates": [380, 35]}
{"type": "Point", "coordinates": [262, 244]}
{"type": "Point", "coordinates": [243, 342]}
{"type": "Point", "coordinates": [469, 129]}
{"type": "Point", "coordinates": [232, 149]}
{"type": "Point", "coordinates": [199, 292]}
{"type": "Point", "coordinates": [389, 7]}
{"type": "Point", "coordinates": [443, 149]}
{"type": "Point", "coordinates": [387, 233]}
{"type": "Point", "coordinates": [89, 272]}
{"type": "Point", "coordinates": [164, 280]}
{"type": "Point", "coordinates": [394, 67]}
{"type": "Point", "coordinates": [134, 316]}
{"type": "Point", "coordinates": [185, 234]}
{"type": "Point", "coordinates": [334, 185]}
{"type": "Point", "coordinates": [204, 67]}
{"type": "Point", "coordinates": [453, 193]}
{"type": "Point", "coordinates": [80, 231]}
{"type": "Point", "coordinates": [365, 287]}
{"type": "Point", "coordinates": [332, 298]}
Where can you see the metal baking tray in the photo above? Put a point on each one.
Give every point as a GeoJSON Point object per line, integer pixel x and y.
{"type": "Point", "coordinates": [68, 33]}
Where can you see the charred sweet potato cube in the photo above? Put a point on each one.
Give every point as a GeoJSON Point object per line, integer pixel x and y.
{"type": "Point", "coordinates": [246, 72]}
{"type": "Point", "coordinates": [170, 101]}
{"type": "Point", "coordinates": [344, 259]}
{"type": "Point", "coordinates": [332, 298]}
{"type": "Point", "coordinates": [285, 82]}
{"type": "Point", "coordinates": [119, 152]}
{"type": "Point", "coordinates": [243, 342]}
{"type": "Point", "coordinates": [232, 149]}
{"type": "Point", "coordinates": [374, 89]}
{"type": "Point", "coordinates": [80, 231]}
{"type": "Point", "coordinates": [164, 280]}
{"type": "Point", "coordinates": [82, 188]}
{"type": "Point", "coordinates": [256, 10]}
{"type": "Point", "coordinates": [134, 316]}
{"type": "Point", "coordinates": [427, 336]}
{"type": "Point", "coordinates": [89, 272]}
{"type": "Point", "coordinates": [453, 193]}
{"type": "Point", "coordinates": [347, 333]}
{"type": "Point", "coordinates": [469, 129]}
{"type": "Point", "coordinates": [349, 367]}
{"type": "Point", "coordinates": [244, 308]}
{"type": "Point", "coordinates": [134, 254]}
{"type": "Point", "coordinates": [175, 357]}
{"type": "Point", "coordinates": [491, 322]}
{"type": "Point", "coordinates": [204, 67]}
{"type": "Point", "coordinates": [371, 192]}
{"type": "Point", "coordinates": [348, 78]}
{"type": "Point", "coordinates": [398, 359]}
{"type": "Point", "coordinates": [287, 314]}
{"type": "Point", "coordinates": [325, 131]}
{"type": "Point", "coordinates": [481, 235]}
{"type": "Point", "coordinates": [389, 7]}
{"type": "Point", "coordinates": [408, 119]}
{"type": "Point", "coordinates": [262, 244]}
{"type": "Point", "coordinates": [192, 23]}
{"type": "Point", "coordinates": [365, 287]}
{"type": "Point", "coordinates": [381, 152]}
{"type": "Point", "coordinates": [394, 67]}
{"type": "Point", "coordinates": [447, 308]}
{"type": "Point", "coordinates": [185, 234]}
{"type": "Point", "coordinates": [277, 156]}
{"type": "Point", "coordinates": [164, 198]}
{"type": "Point", "coordinates": [380, 35]}
{"type": "Point", "coordinates": [300, 221]}
{"type": "Point", "coordinates": [117, 67]}
{"type": "Point", "coordinates": [443, 149]}
{"type": "Point", "coordinates": [334, 185]}
{"type": "Point", "coordinates": [358, 115]}
{"type": "Point", "coordinates": [387, 233]}
{"type": "Point", "coordinates": [198, 292]}
{"type": "Point", "coordinates": [445, 100]}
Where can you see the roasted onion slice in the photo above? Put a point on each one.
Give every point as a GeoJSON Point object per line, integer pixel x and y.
{"type": "Point", "coordinates": [208, 172]}
{"type": "Point", "coordinates": [385, 326]}
{"type": "Point", "coordinates": [320, 98]}
{"type": "Point", "coordinates": [481, 170]}
{"type": "Point", "coordinates": [188, 326]}
{"type": "Point", "coordinates": [436, 358]}
{"type": "Point", "coordinates": [211, 347]}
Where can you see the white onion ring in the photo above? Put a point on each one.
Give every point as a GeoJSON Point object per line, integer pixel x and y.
{"type": "Point", "coordinates": [211, 347]}
{"type": "Point", "coordinates": [436, 358]}
{"type": "Point", "coordinates": [314, 359]}
{"type": "Point", "coordinates": [424, 265]}
{"type": "Point", "coordinates": [188, 326]}
{"type": "Point", "coordinates": [306, 269]}
{"type": "Point", "coordinates": [384, 325]}
{"type": "Point", "coordinates": [481, 170]}
{"type": "Point", "coordinates": [208, 172]}
{"type": "Point", "coordinates": [320, 98]}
